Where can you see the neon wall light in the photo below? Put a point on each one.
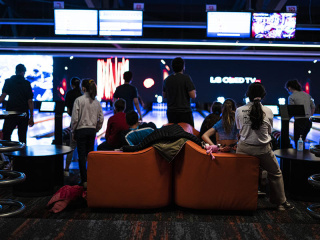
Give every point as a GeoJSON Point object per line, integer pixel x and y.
{"type": "Point", "coordinates": [110, 76]}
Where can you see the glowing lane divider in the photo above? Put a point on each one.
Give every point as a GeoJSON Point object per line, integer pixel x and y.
{"type": "Point", "coordinates": [183, 43]}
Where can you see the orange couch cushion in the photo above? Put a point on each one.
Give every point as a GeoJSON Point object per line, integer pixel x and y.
{"type": "Point", "coordinates": [229, 182]}
{"type": "Point", "coordinates": [140, 179]}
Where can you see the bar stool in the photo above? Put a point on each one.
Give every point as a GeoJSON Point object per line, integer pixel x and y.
{"type": "Point", "coordinates": [314, 180]}
{"type": "Point", "coordinates": [9, 207]}
{"type": "Point", "coordinates": [9, 178]}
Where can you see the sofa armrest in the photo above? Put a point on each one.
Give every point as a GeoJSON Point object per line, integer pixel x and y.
{"type": "Point", "coordinates": [140, 179]}
{"type": "Point", "coordinates": [229, 182]}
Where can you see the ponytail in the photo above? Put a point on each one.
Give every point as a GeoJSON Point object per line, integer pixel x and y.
{"type": "Point", "coordinates": [256, 92]}
{"type": "Point", "coordinates": [256, 115]}
{"type": "Point", "coordinates": [90, 87]}
{"type": "Point", "coordinates": [228, 115]}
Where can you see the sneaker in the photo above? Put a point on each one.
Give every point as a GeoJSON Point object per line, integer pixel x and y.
{"type": "Point", "coordinates": [285, 206]}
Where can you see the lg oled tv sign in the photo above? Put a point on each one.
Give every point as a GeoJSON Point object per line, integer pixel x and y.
{"type": "Point", "coordinates": [233, 80]}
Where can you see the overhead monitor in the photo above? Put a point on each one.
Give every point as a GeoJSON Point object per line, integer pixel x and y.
{"type": "Point", "coordinates": [229, 24]}
{"type": "Point", "coordinates": [75, 22]}
{"type": "Point", "coordinates": [274, 25]}
{"type": "Point", "coordinates": [120, 23]}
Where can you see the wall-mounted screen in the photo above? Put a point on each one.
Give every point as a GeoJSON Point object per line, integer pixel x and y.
{"type": "Point", "coordinates": [274, 109]}
{"type": "Point", "coordinates": [39, 73]}
{"type": "Point", "coordinates": [120, 23]}
{"type": "Point", "coordinates": [75, 22]}
{"type": "Point", "coordinates": [274, 25]}
{"type": "Point", "coordinates": [229, 24]}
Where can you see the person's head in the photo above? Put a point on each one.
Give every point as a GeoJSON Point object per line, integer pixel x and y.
{"type": "Point", "coordinates": [228, 114]}
{"type": "Point", "coordinates": [293, 85]}
{"type": "Point", "coordinates": [127, 76]}
{"type": "Point", "coordinates": [20, 69]}
{"type": "Point", "coordinates": [88, 85]}
{"type": "Point", "coordinates": [119, 105]}
{"type": "Point", "coordinates": [256, 92]}
{"type": "Point", "coordinates": [132, 118]}
{"type": "Point", "coordinates": [177, 64]}
{"type": "Point", "coordinates": [216, 108]}
{"type": "Point", "coordinates": [75, 82]}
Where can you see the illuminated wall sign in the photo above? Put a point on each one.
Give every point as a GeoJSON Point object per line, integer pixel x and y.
{"type": "Point", "coordinates": [233, 80]}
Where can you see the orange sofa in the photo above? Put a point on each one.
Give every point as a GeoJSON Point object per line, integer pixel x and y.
{"type": "Point", "coordinates": [144, 179]}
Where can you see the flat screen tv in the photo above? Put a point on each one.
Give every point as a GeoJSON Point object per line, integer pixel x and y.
{"type": "Point", "coordinates": [120, 23]}
{"type": "Point", "coordinates": [274, 25]}
{"type": "Point", "coordinates": [229, 24]}
{"type": "Point", "coordinates": [39, 73]}
{"type": "Point", "coordinates": [75, 22]}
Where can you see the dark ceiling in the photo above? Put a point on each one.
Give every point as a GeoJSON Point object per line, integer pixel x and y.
{"type": "Point", "coordinates": [162, 11]}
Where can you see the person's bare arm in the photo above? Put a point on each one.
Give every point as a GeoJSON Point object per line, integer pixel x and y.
{"type": "Point", "coordinates": [2, 97]}
{"type": "Point", "coordinates": [192, 94]}
{"type": "Point", "coordinates": [206, 136]}
{"type": "Point", "coordinates": [136, 103]}
{"type": "Point", "coordinates": [30, 104]}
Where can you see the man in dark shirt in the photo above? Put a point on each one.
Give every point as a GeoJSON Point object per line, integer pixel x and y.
{"type": "Point", "coordinates": [178, 88]}
{"type": "Point", "coordinates": [129, 93]}
{"type": "Point", "coordinates": [71, 96]}
{"type": "Point", "coordinates": [20, 100]}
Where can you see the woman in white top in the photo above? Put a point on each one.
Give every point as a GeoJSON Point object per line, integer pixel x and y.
{"type": "Point", "coordinates": [87, 119]}
{"type": "Point", "coordinates": [255, 122]}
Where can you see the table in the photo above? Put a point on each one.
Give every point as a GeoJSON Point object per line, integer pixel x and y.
{"type": "Point", "coordinates": [43, 165]}
{"type": "Point", "coordinates": [296, 168]}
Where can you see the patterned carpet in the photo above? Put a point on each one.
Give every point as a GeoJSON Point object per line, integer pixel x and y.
{"type": "Point", "coordinates": [78, 221]}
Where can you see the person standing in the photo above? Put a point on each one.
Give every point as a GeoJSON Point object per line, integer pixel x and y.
{"type": "Point", "coordinates": [255, 123]}
{"type": "Point", "coordinates": [302, 125]}
{"type": "Point", "coordinates": [20, 100]}
{"type": "Point", "coordinates": [129, 93]}
{"type": "Point", "coordinates": [178, 88]}
{"type": "Point", "coordinates": [71, 96]}
{"type": "Point", "coordinates": [87, 119]}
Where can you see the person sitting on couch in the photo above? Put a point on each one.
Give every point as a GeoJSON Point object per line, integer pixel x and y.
{"type": "Point", "coordinates": [225, 127]}
{"type": "Point", "coordinates": [116, 124]}
{"type": "Point", "coordinates": [137, 132]}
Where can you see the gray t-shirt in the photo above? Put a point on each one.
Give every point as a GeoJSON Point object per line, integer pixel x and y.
{"type": "Point", "coordinates": [302, 98]}
{"type": "Point", "coordinates": [254, 137]}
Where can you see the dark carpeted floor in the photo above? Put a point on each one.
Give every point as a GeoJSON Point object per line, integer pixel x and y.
{"type": "Point", "coordinates": [78, 221]}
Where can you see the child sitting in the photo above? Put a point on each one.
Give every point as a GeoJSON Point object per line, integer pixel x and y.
{"type": "Point", "coordinates": [137, 132]}
{"type": "Point", "coordinates": [116, 124]}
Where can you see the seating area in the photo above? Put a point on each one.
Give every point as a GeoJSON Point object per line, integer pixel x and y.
{"type": "Point", "coordinates": [144, 179]}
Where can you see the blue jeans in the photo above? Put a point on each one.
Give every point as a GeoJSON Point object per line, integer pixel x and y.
{"type": "Point", "coordinates": [85, 138]}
